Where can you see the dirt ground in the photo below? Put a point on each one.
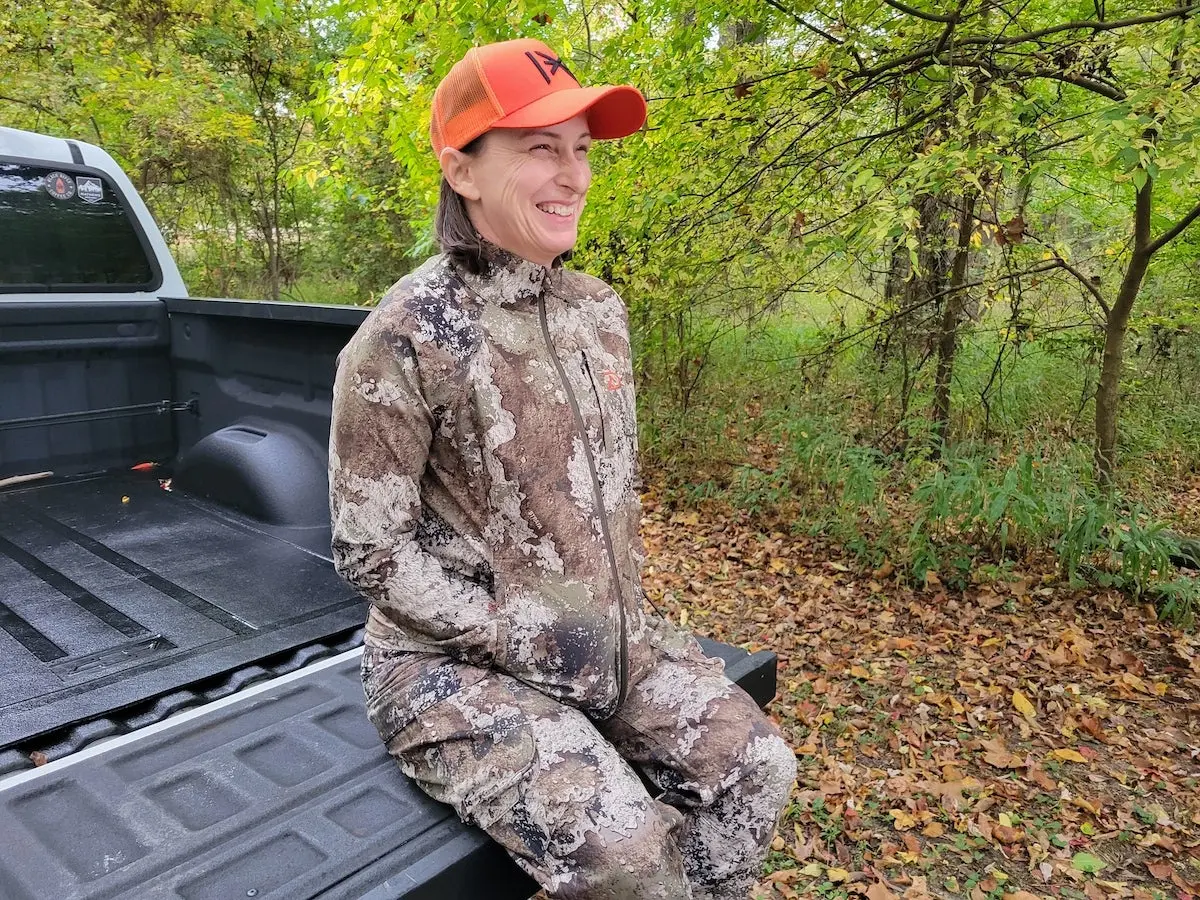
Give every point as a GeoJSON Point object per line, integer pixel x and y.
{"type": "Point", "coordinates": [1018, 739]}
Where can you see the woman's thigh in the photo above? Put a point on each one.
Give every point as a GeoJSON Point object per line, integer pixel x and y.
{"type": "Point", "coordinates": [543, 782]}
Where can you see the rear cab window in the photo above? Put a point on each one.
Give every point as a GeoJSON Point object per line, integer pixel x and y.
{"type": "Point", "coordinates": [66, 228]}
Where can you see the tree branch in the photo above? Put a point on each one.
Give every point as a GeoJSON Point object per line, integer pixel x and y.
{"type": "Point", "coordinates": [1088, 84]}
{"type": "Point", "coordinates": [1093, 25]}
{"type": "Point", "coordinates": [1088, 284]}
{"type": "Point", "coordinates": [1174, 231]}
{"type": "Point", "coordinates": [839, 342]}
{"type": "Point", "coordinates": [920, 14]}
{"type": "Point", "coordinates": [948, 31]}
{"type": "Point", "coordinates": [32, 104]}
{"type": "Point", "coordinates": [1088, 25]}
{"type": "Point", "coordinates": [800, 20]}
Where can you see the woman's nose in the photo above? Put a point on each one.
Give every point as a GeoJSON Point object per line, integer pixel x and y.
{"type": "Point", "coordinates": [575, 173]}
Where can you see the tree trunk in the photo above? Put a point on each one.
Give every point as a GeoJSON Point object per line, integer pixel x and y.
{"type": "Point", "coordinates": [930, 278]}
{"type": "Point", "coordinates": [898, 271]}
{"type": "Point", "coordinates": [954, 303]}
{"type": "Point", "coordinates": [273, 264]}
{"type": "Point", "coordinates": [948, 330]}
{"type": "Point", "coordinates": [1116, 323]}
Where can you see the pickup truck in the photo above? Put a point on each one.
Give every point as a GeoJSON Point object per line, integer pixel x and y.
{"type": "Point", "coordinates": [180, 707]}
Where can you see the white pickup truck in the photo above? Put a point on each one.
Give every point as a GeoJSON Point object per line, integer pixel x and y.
{"type": "Point", "coordinates": [180, 707]}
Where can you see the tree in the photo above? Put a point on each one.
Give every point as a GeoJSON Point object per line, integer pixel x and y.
{"type": "Point", "coordinates": [203, 103]}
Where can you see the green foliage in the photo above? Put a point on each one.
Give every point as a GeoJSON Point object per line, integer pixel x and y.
{"type": "Point", "coordinates": [1130, 550]}
{"type": "Point", "coordinates": [203, 104]}
{"type": "Point", "coordinates": [1178, 600]}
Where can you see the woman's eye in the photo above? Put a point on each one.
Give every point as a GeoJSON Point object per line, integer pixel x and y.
{"type": "Point", "coordinates": [541, 147]}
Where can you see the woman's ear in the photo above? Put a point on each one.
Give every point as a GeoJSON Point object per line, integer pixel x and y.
{"type": "Point", "coordinates": [459, 172]}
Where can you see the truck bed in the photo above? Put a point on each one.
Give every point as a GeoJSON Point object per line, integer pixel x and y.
{"type": "Point", "coordinates": [281, 791]}
{"type": "Point", "coordinates": [114, 591]}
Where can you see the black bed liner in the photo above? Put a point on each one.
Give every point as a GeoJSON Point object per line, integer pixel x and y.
{"type": "Point", "coordinates": [114, 591]}
{"type": "Point", "coordinates": [281, 791]}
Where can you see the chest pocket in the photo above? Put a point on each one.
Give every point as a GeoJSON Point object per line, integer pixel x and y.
{"type": "Point", "coordinates": [612, 429]}
{"type": "Point", "coordinates": [596, 418]}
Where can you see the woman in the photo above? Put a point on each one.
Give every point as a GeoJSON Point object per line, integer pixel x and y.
{"type": "Point", "coordinates": [483, 494]}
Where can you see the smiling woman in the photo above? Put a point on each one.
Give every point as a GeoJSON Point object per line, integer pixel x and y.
{"type": "Point", "coordinates": [483, 489]}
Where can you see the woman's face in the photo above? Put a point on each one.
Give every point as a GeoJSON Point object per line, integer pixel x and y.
{"type": "Point", "coordinates": [525, 188]}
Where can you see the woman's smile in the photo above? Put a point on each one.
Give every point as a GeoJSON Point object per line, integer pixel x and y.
{"type": "Point", "coordinates": [558, 210]}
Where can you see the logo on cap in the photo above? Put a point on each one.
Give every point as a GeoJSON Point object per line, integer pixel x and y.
{"type": "Point", "coordinates": [547, 60]}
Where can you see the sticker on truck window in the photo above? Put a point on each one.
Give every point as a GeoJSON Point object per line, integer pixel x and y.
{"type": "Point", "coordinates": [91, 190]}
{"type": "Point", "coordinates": [60, 185]}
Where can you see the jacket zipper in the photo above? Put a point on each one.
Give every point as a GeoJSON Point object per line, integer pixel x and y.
{"type": "Point", "coordinates": [623, 649]}
{"type": "Point", "coordinates": [587, 370]}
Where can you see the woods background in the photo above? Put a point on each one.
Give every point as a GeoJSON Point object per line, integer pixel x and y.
{"type": "Point", "coordinates": [913, 290]}
{"type": "Point", "coordinates": [918, 277]}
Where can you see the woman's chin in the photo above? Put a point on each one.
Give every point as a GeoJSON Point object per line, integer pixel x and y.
{"type": "Point", "coordinates": [558, 244]}
{"type": "Point", "coordinates": [561, 239]}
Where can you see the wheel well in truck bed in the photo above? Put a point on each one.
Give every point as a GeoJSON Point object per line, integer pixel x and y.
{"type": "Point", "coordinates": [271, 471]}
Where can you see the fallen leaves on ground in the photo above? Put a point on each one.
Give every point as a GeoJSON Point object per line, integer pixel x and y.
{"type": "Point", "coordinates": [1015, 740]}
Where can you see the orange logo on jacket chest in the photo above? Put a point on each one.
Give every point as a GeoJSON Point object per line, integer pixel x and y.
{"type": "Point", "coordinates": [612, 380]}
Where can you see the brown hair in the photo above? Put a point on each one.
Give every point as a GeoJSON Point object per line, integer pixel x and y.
{"type": "Point", "coordinates": [456, 235]}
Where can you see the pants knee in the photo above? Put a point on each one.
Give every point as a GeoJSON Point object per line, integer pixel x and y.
{"type": "Point", "coordinates": [773, 770]}
{"type": "Point", "coordinates": [724, 847]}
{"type": "Point", "coordinates": [645, 863]}
{"type": "Point", "coordinates": [779, 766]}
{"type": "Point", "coordinates": [754, 803]}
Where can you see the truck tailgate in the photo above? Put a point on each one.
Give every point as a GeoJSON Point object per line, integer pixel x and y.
{"type": "Point", "coordinates": [281, 791]}
{"type": "Point", "coordinates": [116, 591]}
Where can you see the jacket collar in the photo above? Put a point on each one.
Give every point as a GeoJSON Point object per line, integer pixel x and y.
{"type": "Point", "coordinates": [510, 279]}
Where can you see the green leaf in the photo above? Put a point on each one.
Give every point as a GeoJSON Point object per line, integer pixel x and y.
{"type": "Point", "coordinates": [1087, 863]}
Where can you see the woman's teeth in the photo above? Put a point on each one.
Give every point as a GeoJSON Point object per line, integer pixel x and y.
{"type": "Point", "coordinates": [557, 209]}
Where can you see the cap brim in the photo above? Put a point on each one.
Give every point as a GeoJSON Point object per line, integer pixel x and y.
{"type": "Point", "coordinates": [614, 111]}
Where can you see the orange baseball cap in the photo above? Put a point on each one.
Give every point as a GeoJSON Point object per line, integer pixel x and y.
{"type": "Point", "coordinates": [524, 84]}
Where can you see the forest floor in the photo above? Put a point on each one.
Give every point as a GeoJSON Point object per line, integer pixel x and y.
{"type": "Point", "coordinates": [1019, 739]}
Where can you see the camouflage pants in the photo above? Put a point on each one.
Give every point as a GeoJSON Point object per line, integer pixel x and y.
{"type": "Point", "coordinates": [559, 790]}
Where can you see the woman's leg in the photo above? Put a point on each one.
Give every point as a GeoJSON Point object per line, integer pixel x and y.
{"type": "Point", "coordinates": [538, 778]}
{"type": "Point", "coordinates": [716, 756]}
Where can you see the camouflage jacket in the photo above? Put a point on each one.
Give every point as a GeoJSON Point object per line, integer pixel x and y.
{"type": "Point", "coordinates": [483, 478]}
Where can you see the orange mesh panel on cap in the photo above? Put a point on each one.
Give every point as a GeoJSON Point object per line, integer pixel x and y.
{"type": "Point", "coordinates": [463, 107]}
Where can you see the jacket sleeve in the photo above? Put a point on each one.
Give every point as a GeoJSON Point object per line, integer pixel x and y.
{"type": "Point", "coordinates": [379, 443]}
